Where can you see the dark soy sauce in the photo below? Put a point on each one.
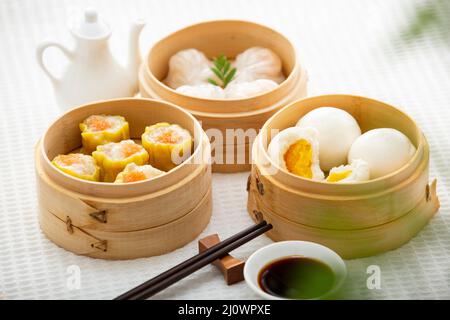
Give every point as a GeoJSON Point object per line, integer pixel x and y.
{"type": "Point", "coordinates": [296, 277]}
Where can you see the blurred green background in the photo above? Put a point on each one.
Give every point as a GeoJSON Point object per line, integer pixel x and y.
{"type": "Point", "coordinates": [431, 17]}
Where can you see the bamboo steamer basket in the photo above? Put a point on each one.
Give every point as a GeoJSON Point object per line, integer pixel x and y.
{"type": "Point", "coordinates": [123, 221]}
{"type": "Point", "coordinates": [229, 37]}
{"type": "Point", "coordinates": [355, 220]}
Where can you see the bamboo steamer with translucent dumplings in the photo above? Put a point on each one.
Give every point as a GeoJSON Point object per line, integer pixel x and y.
{"type": "Point", "coordinates": [358, 218]}
{"type": "Point", "coordinates": [130, 218]}
{"type": "Point", "coordinates": [217, 113]}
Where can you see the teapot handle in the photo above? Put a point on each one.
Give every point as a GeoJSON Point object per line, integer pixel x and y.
{"type": "Point", "coordinates": [40, 56]}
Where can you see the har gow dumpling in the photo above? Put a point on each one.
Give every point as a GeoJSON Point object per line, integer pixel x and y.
{"type": "Point", "coordinates": [207, 90]}
{"type": "Point", "coordinates": [258, 63]}
{"type": "Point", "coordinates": [188, 67]}
{"type": "Point", "coordinates": [240, 90]}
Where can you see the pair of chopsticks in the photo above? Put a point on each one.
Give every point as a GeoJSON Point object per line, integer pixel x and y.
{"type": "Point", "coordinates": [169, 277]}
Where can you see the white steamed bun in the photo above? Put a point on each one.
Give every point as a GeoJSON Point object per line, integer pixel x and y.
{"type": "Point", "coordinates": [357, 170]}
{"type": "Point", "coordinates": [296, 150]}
{"type": "Point", "coordinates": [385, 150]}
{"type": "Point", "coordinates": [337, 131]}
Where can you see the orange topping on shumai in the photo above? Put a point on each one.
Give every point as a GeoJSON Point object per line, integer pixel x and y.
{"type": "Point", "coordinates": [130, 148]}
{"type": "Point", "coordinates": [134, 176]}
{"type": "Point", "coordinates": [70, 159]}
{"type": "Point", "coordinates": [168, 137]}
{"type": "Point", "coordinates": [98, 123]}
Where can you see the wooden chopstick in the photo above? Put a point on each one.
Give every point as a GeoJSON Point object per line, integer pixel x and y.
{"type": "Point", "coordinates": [166, 282]}
{"type": "Point", "coordinates": [127, 295]}
{"type": "Point", "coordinates": [157, 284]}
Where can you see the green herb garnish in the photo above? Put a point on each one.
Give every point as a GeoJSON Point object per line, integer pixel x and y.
{"type": "Point", "coordinates": [222, 69]}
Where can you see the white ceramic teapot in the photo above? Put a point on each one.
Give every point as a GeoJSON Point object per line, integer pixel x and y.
{"type": "Point", "coordinates": [93, 73]}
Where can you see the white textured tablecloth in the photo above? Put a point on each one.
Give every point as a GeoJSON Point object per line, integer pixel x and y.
{"type": "Point", "coordinates": [347, 47]}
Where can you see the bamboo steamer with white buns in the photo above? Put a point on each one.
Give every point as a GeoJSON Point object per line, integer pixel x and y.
{"type": "Point", "coordinates": [125, 220]}
{"type": "Point", "coordinates": [228, 37]}
{"type": "Point", "coordinates": [354, 219]}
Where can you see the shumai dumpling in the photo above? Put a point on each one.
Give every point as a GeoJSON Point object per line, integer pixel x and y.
{"type": "Point", "coordinates": [134, 173]}
{"type": "Point", "coordinates": [113, 157]}
{"type": "Point", "coordinates": [167, 144]}
{"type": "Point", "coordinates": [78, 165]}
{"type": "Point", "coordinates": [102, 129]}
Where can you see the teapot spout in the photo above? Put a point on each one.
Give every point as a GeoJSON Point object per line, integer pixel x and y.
{"type": "Point", "coordinates": [134, 56]}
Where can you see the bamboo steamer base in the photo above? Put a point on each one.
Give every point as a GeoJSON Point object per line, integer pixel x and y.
{"type": "Point", "coordinates": [352, 244]}
{"type": "Point", "coordinates": [127, 245]}
{"type": "Point", "coordinates": [231, 168]}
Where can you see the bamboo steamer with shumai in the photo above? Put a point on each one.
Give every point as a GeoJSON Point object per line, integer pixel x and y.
{"type": "Point", "coordinates": [136, 210]}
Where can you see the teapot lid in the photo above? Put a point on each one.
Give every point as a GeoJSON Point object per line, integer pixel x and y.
{"type": "Point", "coordinates": [90, 26]}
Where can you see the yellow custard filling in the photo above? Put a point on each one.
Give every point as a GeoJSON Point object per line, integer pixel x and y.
{"type": "Point", "coordinates": [298, 159]}
{"type": "Point", "coordinates": [338, 176]}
